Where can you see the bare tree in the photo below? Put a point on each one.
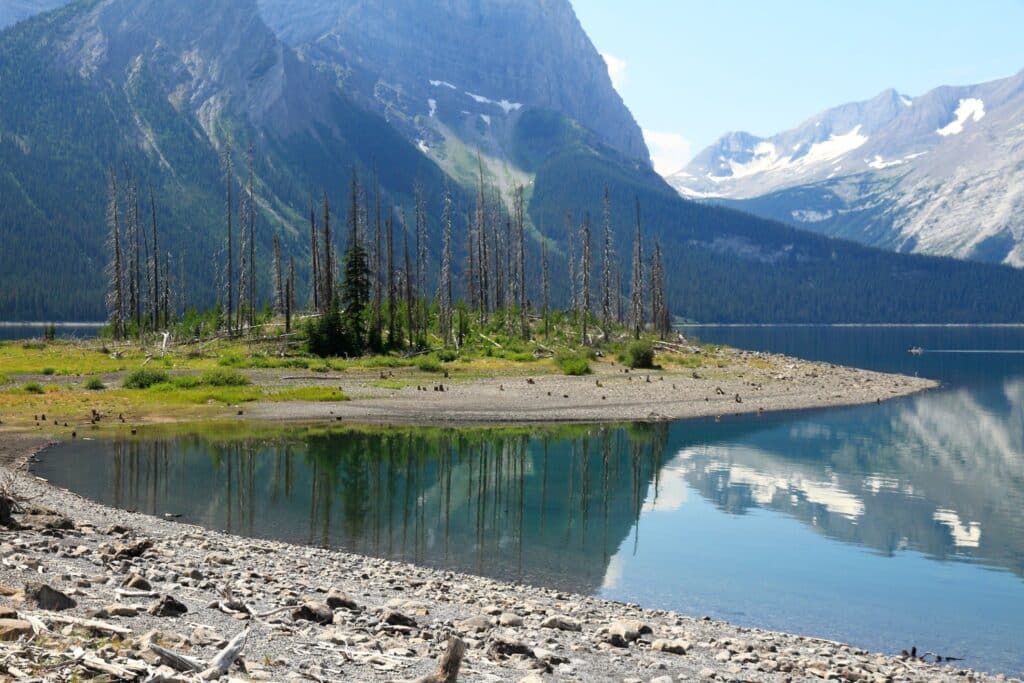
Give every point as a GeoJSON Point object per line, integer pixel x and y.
{"type": "Point", "coordinates": [520, 211]}
{"type": "Point", "coordinates": [243, 260]}
{"type": "Point", "coordinates": [229, 277]}
{"type": "Point", "coordinates": [409, 295]}
{"type": "Point", "coordinates": [636, 308]}
{"type": "Point", "coordinates": [251, 201]}
{"type": "Point", "coordinates": [115, 267]}
{"type": "Point", "coordinates": [585, 267]}
{"type": "Point", "coordinates": [378, 276]}
{"type": "Point", "coordinates": [392, 290]}
{"type": "Point", "coordinates": [446, 268]}
{"type": "Point", "coordinates": [421, 259]}
{"type": "Point", "coordinates": [277, 276]}
{"type": "Point", "coordinates": [606, 266]}
{"type": "Point", "coordinates": [328, 293]}
{"type": "Point", "coordinates": [570, 232]}
{"type": "Point", "coordinates": [659, 303]}
{"type": "Point", "coordinates": [155, 265]}
{"type": "Point", "coordinates": [314, 257]}
{"type": "Point", "coordinates": [289, 298]}
{"type": "Point", "coordinates": [132, 250]}
{"type": "Point", "coordinates": [545, 286]}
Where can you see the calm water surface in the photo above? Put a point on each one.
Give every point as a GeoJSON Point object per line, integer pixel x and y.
{"type": "Point", "coordinates": [886, 526]}
{"type": "Point", "coordinates": [36, 331]}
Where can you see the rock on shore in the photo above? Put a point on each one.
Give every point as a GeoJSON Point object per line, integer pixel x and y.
{"type": "Point", "coordinates": [141, 598]}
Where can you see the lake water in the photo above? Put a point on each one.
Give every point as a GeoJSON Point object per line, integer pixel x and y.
{"type": "Point", "coordinates": [36, 331]}
{"type": "Point", "coordinates": [885, 525]}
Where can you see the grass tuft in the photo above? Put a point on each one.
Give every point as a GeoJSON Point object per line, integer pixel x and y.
{"type": "Point", "coordinates": [144, 378]}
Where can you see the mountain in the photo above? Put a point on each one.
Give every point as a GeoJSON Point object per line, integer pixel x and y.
{"type": "Point", "coordinates": [455, 76]}
{"type": "Point", "coordinates": [938, 174]}
{"type": "Point", "coordinates": [158, 89]}
{"type": "Point", "coordinates": [13, 11]}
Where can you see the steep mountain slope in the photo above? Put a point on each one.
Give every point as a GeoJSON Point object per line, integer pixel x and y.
{"type": "Point", "coordinates": [157, 88]}
{"type": "Point", "coordinates": [455, 76]}
{"type": "Point", "coordinates": [940, 174]}
{"type": "Point", "coordinates": [13, 11]}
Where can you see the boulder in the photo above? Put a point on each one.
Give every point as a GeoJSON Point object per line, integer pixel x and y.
{"type": "Point", "coordinates": [562, 623]}
{"type": "Point", "coordinates": [314, 611]}
{"type": "Point", "coordinates": [46, 598]}
{"type": "Point", "coordinates": [168, 606]}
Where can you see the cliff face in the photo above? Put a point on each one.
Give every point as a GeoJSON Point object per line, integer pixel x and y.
{"type": "Point", "coordinates": [448, 59]}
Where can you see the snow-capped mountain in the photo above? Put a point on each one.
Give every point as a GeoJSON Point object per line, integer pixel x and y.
{"type": "Point", "coordinates": [942, 173]}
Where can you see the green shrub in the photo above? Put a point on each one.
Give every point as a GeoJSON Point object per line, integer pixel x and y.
{"type": "Point", "coordinates": [428, 364]}
{"type": "Point", "coordinates": [640, 355]}
{"type": "Point", "coordinates": [230, 360]}
{"type": "Point", "coordinates": [49, 372]}
{"type": "Point", "coordinates": [4, 379]}
{"type": "Point", "coordinates": [447, 355]}
{"type": "Point", "coordinates": [144, 378]}
{"type": "Point", "coordinates": [95, 384]}
{"type": "Point", "coordinates": [573, 364]}
{"type": "Point", "coordinates": [34, 388]}
{"type": "Point", "coordinates": [33, 346]}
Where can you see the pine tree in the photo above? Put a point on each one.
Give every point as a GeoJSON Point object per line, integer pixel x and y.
{"type": "Point", "coordinates": [356, 285]}
{"type": "Point", "coordinates": [115, 272]}
{"type": "Point", "coordinates": [636, 309]}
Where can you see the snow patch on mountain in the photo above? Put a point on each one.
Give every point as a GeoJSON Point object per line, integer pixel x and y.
{"type": "Point", "coordinates": [506, 106]}
{"type": "Point", "coordinates": [443, 84]}
{"type": "Point", "coordinates": [969, 109]}
{"type": "Point", "coordinates": [766, 157]}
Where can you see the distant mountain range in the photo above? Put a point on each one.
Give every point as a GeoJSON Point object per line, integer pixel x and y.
{"type": "Point", "coordinates": [942, 173]}
{"type": "Point", "coordinates": [404, 92]}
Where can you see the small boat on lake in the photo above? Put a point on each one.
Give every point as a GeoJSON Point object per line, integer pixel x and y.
{"type": "Point", "coordinates": [916, 351]}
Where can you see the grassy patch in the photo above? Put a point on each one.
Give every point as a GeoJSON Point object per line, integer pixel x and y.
{"type": "Point", "coordinates": [33, 388]}
{"type": "Point", "coordinates": [310, 394]}
{"type": "Point", "coordinates": [395, 384]}
{"type": "Point", "coordinates": [49, 372]}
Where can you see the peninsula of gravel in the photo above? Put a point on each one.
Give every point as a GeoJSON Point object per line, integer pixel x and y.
{"type": "Point", "coordinates": [93, 593]}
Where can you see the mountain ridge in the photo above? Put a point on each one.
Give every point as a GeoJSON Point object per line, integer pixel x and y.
{"type": "Point", "coordinates": [942, 173]}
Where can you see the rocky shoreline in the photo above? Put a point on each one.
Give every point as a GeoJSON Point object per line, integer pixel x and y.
{"type": "Point", "coordinates": [153, 597]}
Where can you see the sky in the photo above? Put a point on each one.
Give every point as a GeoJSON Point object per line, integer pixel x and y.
{"type": "Point", "coordinates": [692, 70]}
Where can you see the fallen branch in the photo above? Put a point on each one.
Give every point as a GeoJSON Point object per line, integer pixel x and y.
{"type": "Point", "coordinates": [91, 624]}
{"type": "Point", "coordinates": [226, 657]}
{"type": "Point", "coordinates": [448, 668]}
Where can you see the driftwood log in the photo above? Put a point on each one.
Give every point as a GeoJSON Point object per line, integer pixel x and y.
{"type": "Point", "coordinates": [448, 668]}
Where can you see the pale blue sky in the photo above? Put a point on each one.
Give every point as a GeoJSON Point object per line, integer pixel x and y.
{"type": "Point", "coordinates": [692, 70]}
